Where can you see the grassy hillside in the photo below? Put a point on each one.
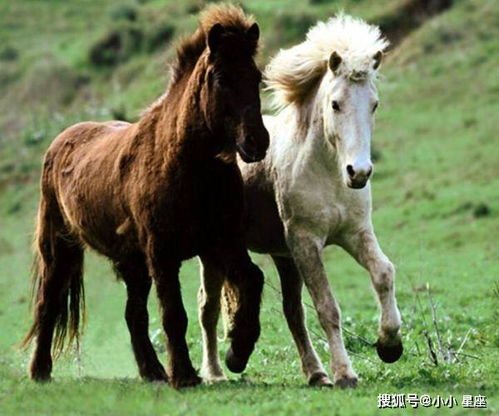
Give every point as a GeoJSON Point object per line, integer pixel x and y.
{"type": "Point", "coordinates": [435, 199]}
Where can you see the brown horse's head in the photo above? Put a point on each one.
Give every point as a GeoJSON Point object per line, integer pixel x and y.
{"type": "Point", "coordinates": [230, 97]}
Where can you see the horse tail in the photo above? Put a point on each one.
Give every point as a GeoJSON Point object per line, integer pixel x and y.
{"type": "Point", "coordinates": [57, 291]}
{"type": "Point", "coordinates": [230, 303]}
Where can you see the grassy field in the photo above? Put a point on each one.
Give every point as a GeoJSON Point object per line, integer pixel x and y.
{"type": "Point", "coordinates": [436, 212]}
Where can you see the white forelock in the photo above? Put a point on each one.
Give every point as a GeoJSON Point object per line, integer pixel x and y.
{"type": "Point", "coordinates": [294, 71]}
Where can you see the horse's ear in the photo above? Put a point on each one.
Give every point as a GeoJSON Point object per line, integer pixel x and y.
{"type": "Point", "coordinates": [378, 56]}
{"type": "Point", "coordinates": [253, 32]}
{"type": "Point", "coordinates": [214, 36]}
{"type": "Point", "coordinates": [334, 61]}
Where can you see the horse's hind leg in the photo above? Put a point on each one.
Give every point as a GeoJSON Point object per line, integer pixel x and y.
{"type": "Point", "coordinates": [138, 283]}
{"type": "Point", "coordinates": [365, 249]}
{"type": "Point", "coordinates": [209, 310]}
{"type": "Point", "coordinates": [291, 285]}
{"type": "Point", "coordinates": [59, 272]}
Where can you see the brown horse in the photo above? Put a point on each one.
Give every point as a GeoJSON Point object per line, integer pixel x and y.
{"type": "Point", "coordinates": [151, 194]}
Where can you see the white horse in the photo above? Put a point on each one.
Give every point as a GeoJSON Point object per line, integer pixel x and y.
{"type": "Point", "coordinates": [313, 190]}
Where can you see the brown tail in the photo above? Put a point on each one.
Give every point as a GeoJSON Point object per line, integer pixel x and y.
{"type": "Point", "coordinates": [230, 302]}
{"type": "Point", "coordinates": [58, 292]}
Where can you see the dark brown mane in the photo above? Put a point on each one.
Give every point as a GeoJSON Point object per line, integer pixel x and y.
{"type": "Point", "coordinates": [190, 49]}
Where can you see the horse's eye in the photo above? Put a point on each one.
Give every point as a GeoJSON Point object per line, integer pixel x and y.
{"type": "Point", "coordinates": [336, 106]}
{"type": "Point", "coordinates": [375, 106]}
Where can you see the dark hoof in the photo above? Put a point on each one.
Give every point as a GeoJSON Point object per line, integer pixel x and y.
{"type": "Point", "coordinates": [156, 375]}
{"type": "Point", "coordinates": [346, 383]}
{"type": "Point", "coordinates": [40, 372]}
{"type": "Point", "coordinates": [320, 380]}
{"type": "Point", "coordinates": [40, 378]}
{"type": "Point", "coordinates": [234, 363]}
{"type": "Point", "coordinates": [183, 382]}
{"type": "Point", "coordinates": [389, 353]}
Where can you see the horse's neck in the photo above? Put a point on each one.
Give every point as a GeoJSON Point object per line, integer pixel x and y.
{"type": "Point", "coordinates": [177, 122]}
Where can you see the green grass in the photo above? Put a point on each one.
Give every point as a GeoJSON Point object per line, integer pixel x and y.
{"type": "Point", "coordinates": [437, 135]}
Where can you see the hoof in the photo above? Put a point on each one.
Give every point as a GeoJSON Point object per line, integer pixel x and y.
{"type": "Point", "coordinates": [156, 375]}
{"type": "Point", "coordinates": [234, 363]}
{"type": "Point", "coordinates": [346, 382]}
{"type": "Point", "coordinates": [389, 353]}
{"type": "Point", "coordinates": [40, 371]}
{"type": "Point", "coordinates": [40, 378]}
{"type": "Point", "coordinates": [212, 375]}
{"type": "Point", "coordinates": [214, 379]}
{"type": "Point", "coordinates": [180, 383]}
{"type": "Point", "coordinates": [320, 380]}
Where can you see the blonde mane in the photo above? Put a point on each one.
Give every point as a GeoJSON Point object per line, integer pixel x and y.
{"type": "Point", "coordinates": [293, 72]}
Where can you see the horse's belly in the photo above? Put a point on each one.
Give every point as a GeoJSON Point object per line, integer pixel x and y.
{"type": "Point", "coordinates": [263, 226]}
{"type": "Point", "coordinates": [94, 215]}
{"type": "Point", "coordinates": [101, 231]}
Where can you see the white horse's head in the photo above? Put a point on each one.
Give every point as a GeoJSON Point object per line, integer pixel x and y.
{"type": "Point", "coordinates": [335, 68]}
{"type": "Point", "coordinates": [348, 99]}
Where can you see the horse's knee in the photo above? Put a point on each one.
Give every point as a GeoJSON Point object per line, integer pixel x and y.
{"type": "Point", "coordinates": [383, 277]}
{"type": "Point", "coordinates": [248, 281]}
{"type": "Point", "coordinates": [254, 289]}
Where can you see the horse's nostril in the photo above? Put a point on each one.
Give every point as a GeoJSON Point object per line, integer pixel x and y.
{"type": "Point", "coordinates": [350, 171]}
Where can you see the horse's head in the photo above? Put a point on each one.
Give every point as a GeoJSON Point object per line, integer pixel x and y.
{"type": "Point", "coordinates": [349, 101]}
{"type": "Point", "coordinates": [232, 81]}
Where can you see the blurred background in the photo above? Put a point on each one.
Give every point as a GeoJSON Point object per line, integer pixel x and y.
{"type": "Point", "coordinates": [436, 198]}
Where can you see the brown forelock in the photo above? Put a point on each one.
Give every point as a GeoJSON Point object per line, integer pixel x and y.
{"type": "Point", "coordinates": [235, 22]}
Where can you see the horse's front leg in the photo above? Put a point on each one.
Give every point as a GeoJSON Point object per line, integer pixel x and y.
{"type": "Point", "coordinates": [164, 270]}
{"type": "Point", "coordinates": [245, 280]}
{"type": "Point", "coordinates": [306, 251]}
{"type": "Point", "coordinates": [364, 247]}
{"type": "Point", "coordinates": [134, 273]}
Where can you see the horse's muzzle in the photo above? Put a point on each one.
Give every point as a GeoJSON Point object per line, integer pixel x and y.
{"type": "Point", "coordinates": [253, 149]}
{"type": "Point", "coordinates": [357, 184]}
{"type": "Point", "coordinates": [358, 178]}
